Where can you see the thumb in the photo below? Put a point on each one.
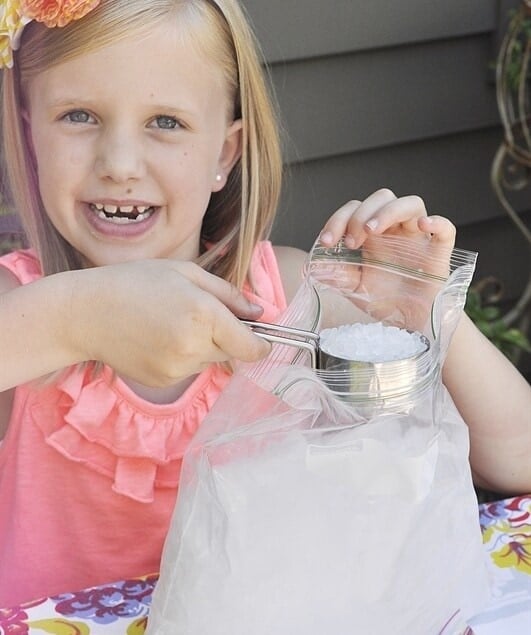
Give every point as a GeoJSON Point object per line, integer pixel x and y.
{"type": "Point", "coordinates": [238, 341]}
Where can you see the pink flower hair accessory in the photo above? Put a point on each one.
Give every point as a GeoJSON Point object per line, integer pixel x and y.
{"type": "Point", "coordinates": [15, 14]}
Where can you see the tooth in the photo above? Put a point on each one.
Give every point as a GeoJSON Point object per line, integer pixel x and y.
{"type": "Point", "coordinates": [111, 217]}
{"type": "Point", "coordinates": [110, 209]}
{"type": "Point", "coordinates": [98, 206]}
{"type": "Point", "coordinates": [127, 209]}
{"type": "Point", "coordinates": [141, 209]}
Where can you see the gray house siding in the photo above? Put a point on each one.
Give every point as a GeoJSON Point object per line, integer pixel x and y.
{"type": "Point", "coordinates": [377, 93]}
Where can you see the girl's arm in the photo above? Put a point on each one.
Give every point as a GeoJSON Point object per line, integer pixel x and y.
{"type": "Point", "coordinates": [495, 401]}
{"type": "Point", "coordinates": [34, 328]}
{"type": "Point", "coordinates": [157, 322]}
{"type": "Point", "coordinates": [28, 344]}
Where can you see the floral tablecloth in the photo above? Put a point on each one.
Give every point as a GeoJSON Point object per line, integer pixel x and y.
{"type": "Point", "coordinates": [506, 527]}
{"type": "Point", "coordinates": [122, 608]}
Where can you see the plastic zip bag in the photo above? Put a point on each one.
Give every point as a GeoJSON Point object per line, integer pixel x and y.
{"type": "Point", "coordinates": [302, 510]}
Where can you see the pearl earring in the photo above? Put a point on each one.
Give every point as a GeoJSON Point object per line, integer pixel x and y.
{"type": "Point", "coordinates": [218, 178]}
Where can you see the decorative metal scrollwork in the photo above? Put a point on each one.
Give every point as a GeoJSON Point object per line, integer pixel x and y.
{"type": "Point", "coordinates": [511, 167]}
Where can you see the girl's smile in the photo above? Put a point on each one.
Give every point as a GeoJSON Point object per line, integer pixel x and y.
{"type": "Point", "coordinates": [129, 146]}
{"type": "Point", "coordinates": [121, 219]}
{"type": "Point", "coordinates": [123, 214]}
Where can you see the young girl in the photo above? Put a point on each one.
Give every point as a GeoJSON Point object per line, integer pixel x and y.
{"type": "Point", "coordinates": [143, 158]}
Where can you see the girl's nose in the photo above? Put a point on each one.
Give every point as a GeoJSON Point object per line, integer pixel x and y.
{"type": "Point", "coordinates": [119, 157]}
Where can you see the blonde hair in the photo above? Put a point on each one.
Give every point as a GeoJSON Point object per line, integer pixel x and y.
{"type": "Point", "coordinates": [238, 216]}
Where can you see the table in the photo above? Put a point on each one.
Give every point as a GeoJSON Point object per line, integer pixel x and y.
{"type": "Point", "coordinates": [122, 608]}
{"type": "Point", "coordinates": [506, 527]}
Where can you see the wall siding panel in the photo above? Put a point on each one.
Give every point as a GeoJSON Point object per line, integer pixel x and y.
{"type": "Point", "coordinates": [301, 29]}
{"type": "Point", "coordinates": [398, 94]}
{"type": "Point", "coordinates": [354, 102]}
{"type": "Point", "coordinates": [451, 173]}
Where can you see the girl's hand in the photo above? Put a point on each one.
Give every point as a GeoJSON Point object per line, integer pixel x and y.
{"type": "Point", "coordinates": [383, 213]}
{"type": "Point", "coordinates": [397, 299]}
{"type": "Point", "coordinates": [160, 321]}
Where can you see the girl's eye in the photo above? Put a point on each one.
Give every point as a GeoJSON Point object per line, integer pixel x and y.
{"type": "Point", "coordinates": [79, 116]}
{"type": "Point", "coordinates": [165, 122]}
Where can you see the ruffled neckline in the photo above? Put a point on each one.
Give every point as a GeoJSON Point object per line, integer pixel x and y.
{"type": "Point", "coordinates": [97, 420]}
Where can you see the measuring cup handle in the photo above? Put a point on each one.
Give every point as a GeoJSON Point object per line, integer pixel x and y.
{"type": "Point", "coordinates": [279, 334]}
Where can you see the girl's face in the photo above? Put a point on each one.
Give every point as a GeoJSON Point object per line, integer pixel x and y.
{"type": "Point", "coordinates": [130, 141]}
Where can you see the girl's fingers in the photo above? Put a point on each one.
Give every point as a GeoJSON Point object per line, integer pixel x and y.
{"type": "Point", "coordinates": [357, 230]}
{"type": "Point", "coordinates": [383, 212]}
{"type": "Point", "coordinates": [442, 241]}
{"type": "Point", "coordinates": [402, 213]}
{"type": "Point", "coordinates": [235, 340]}
{"type": "Point", "coordinates": [231, 338]}
{"type": "Point", "coordinates": [225, 292]}
{"type": "Point", "coordinates": [378, 212]}
{"type": "Point", "coordinates": [441, 229]}
{"type": "Point", "coordinates": [349, 220]}
{"type": "Point", "coordinates": [335, 226]}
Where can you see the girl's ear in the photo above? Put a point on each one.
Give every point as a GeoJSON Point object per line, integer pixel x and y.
{"type": "Point", "coordinates": [230, 153]}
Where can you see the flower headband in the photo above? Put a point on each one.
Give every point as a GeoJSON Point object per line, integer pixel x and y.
{"type": "Point", "coordinates": [15, 14]}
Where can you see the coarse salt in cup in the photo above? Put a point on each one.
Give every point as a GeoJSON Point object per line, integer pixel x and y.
{"type": "Point", "coordinates": [372, 342]}
{"type": "Point", "coordinates": [374, 363]}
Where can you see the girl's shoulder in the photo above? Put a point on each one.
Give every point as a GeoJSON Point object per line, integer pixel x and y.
{"type": "Point", "coordinates": [290, 262]}
{"type": "Point", "coordinates": [18, 267]}
{"type": "Point", "coordinates": [275, 275]}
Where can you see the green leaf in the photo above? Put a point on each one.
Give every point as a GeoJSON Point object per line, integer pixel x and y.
{"type": "Point", "coordinates": [485, 328]}
{"type": "Point", "coordinates": [487, 319]}
{"type": "Point", "coordinates": [516, 337]}
{"type": "Point", "coordinates": [472, 299]}
{"type": "Point", "coordinates": [491, 313]}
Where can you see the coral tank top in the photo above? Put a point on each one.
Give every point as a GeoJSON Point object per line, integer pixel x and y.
{"type": "Point", "coordinates": [89, 470]}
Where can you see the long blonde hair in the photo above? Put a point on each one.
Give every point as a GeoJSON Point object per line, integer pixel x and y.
{"type": "Point", "coordinates": [238, 216]}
